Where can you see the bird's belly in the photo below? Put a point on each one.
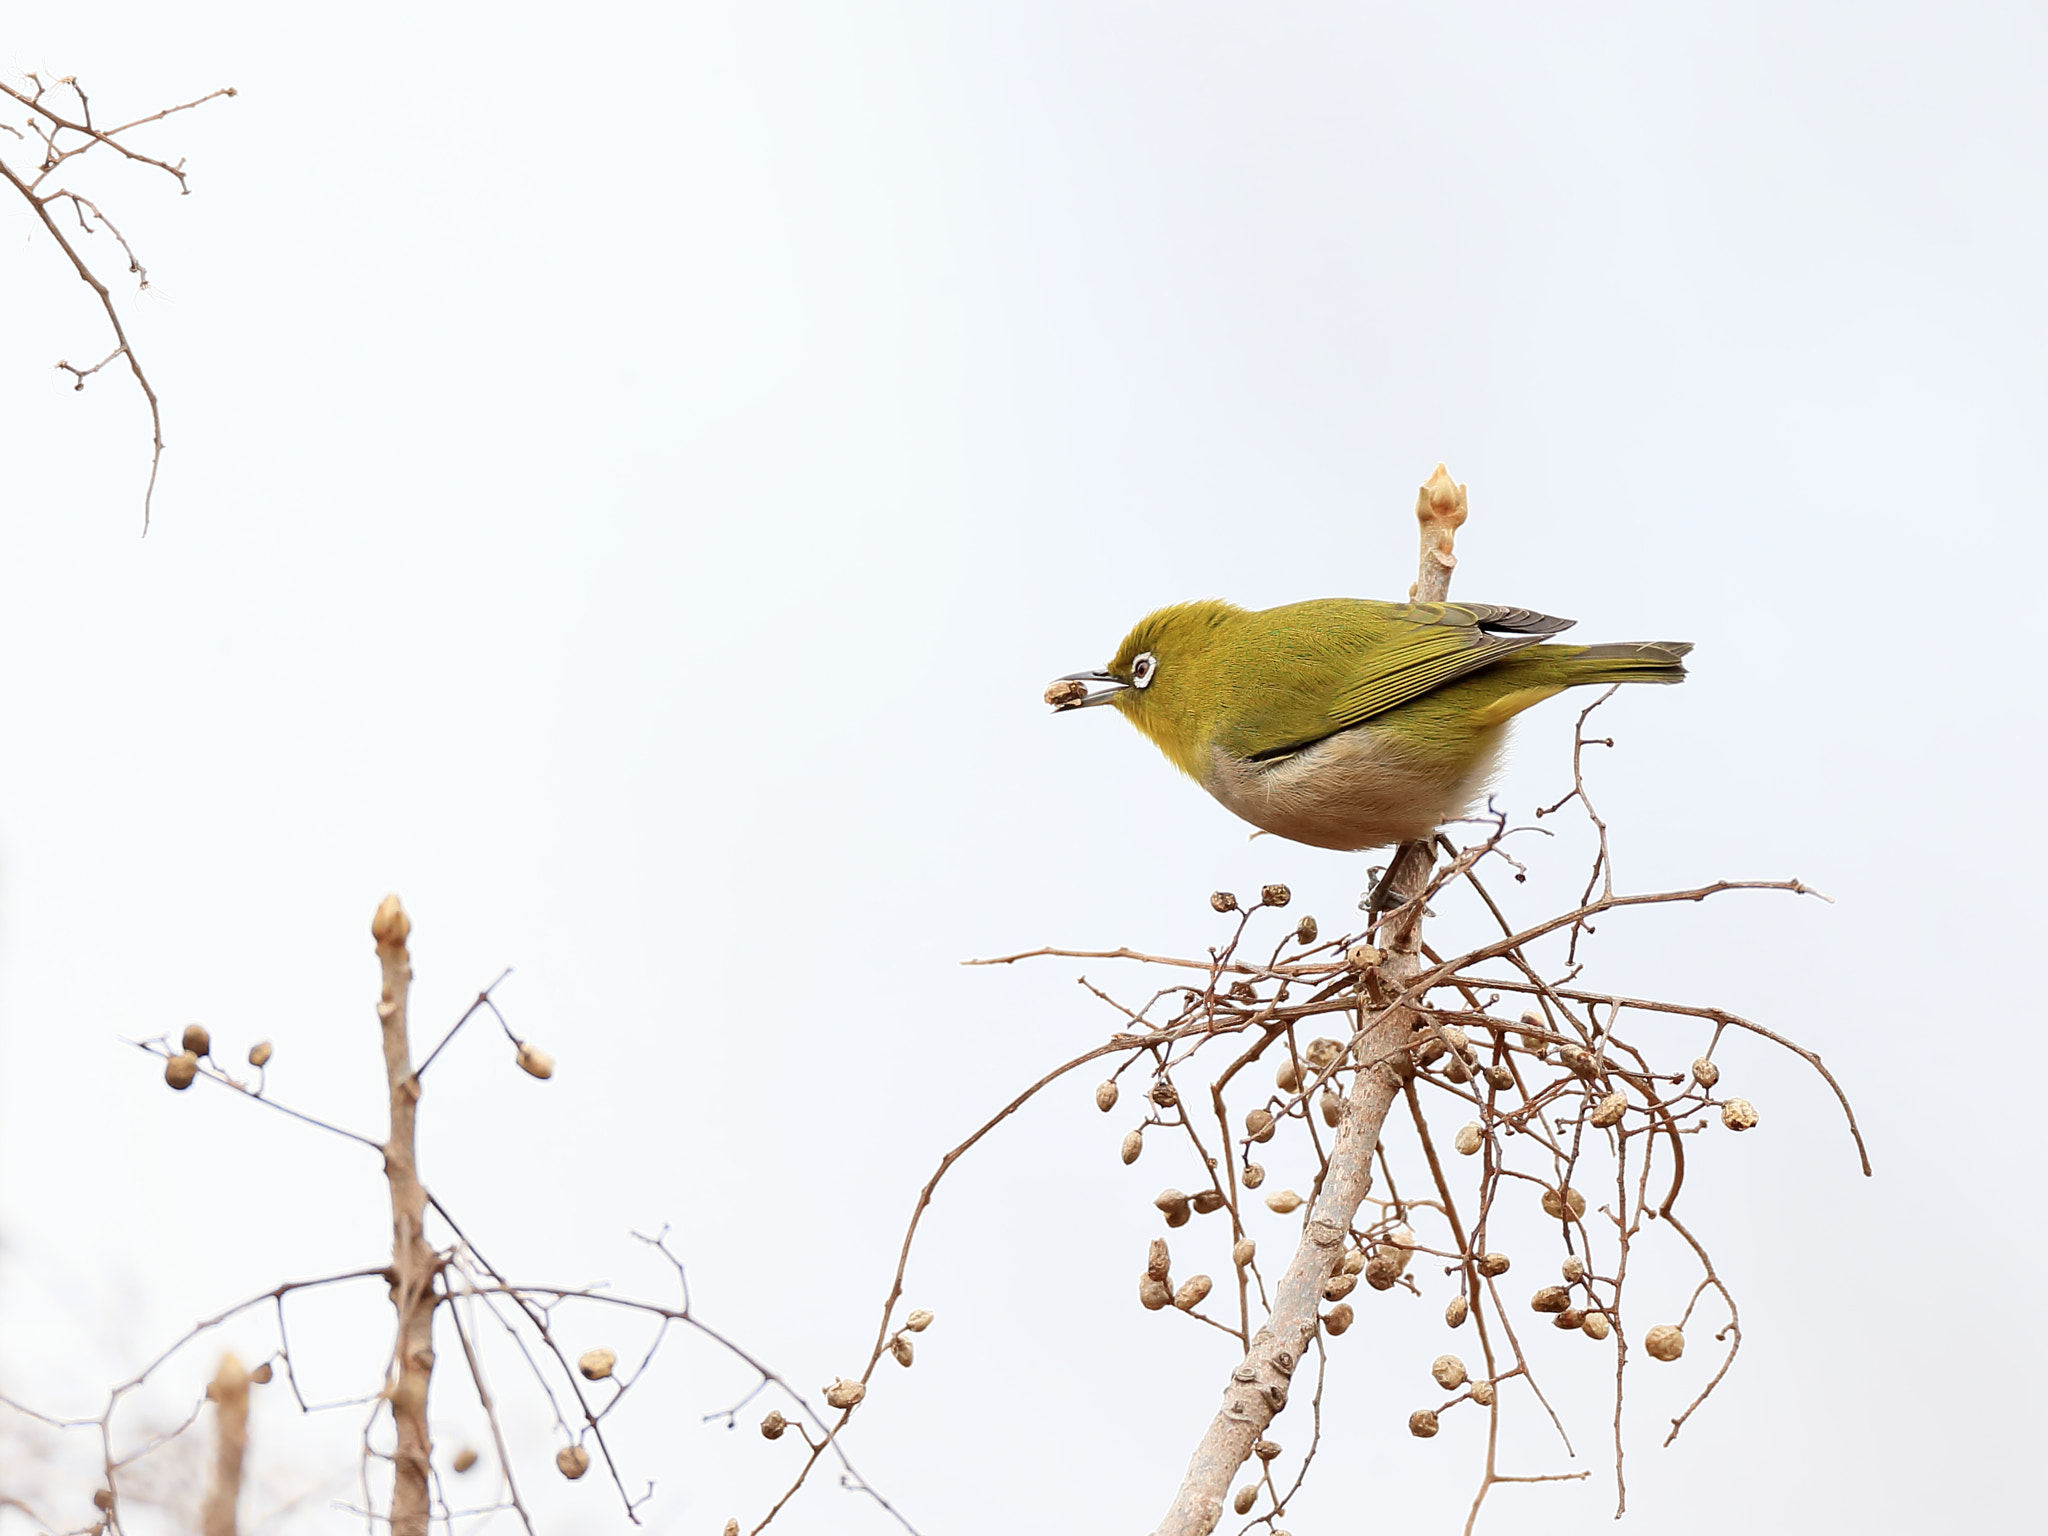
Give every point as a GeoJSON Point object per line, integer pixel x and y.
{"type": "Point", "coordinates": [1357, 789]}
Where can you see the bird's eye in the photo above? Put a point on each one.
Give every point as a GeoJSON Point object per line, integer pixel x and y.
{"type": "Point", "coordinates": [1142, 670]}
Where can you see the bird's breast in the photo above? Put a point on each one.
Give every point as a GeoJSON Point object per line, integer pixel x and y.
{"type": "Point", "coordinates": [1360, 788]}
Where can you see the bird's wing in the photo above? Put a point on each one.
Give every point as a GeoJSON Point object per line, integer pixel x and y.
{"type": "Point", "coordinates": [1440, 643]}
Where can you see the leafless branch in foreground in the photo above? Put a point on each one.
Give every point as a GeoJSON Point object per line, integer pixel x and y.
{"type": "Point", "coordinates": [57, 120]}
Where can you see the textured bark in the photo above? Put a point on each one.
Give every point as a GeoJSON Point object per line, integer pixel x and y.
{"type": "Point", "coordinates": [1258, 1387]}
{"type": "Point", "coordinates": [413, 1264]}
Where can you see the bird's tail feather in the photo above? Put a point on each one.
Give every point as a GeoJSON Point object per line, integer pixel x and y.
{"type": "Point", "coordinates": [1645, 661]}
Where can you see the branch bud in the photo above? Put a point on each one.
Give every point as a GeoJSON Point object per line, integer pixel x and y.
{"type": "Point", "coordinates": [390, 928]}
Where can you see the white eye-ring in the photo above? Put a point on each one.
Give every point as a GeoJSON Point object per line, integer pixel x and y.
{"type": "Point", "coordinates": [1142, 670]}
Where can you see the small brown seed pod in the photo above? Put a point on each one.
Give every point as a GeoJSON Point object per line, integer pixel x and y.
{"type": "Point", "coordinates": [1305, 930]}
{"type": "Point", "coordinates": [1331, 1103]}
{"type": "Point", "coordinates": [1449, 1372]}
{"type": "Point", "coordinates": [259, 1054]}
{"type": "Point", "coordinates": [1555, 1205]}
{"type": "Point", "coordinates": [1353, 1262]}
{"type": "Point", "coordinates": [535, 1062]}
{"type": "Point", "coordinates": [732, 1528]}
{"type": "Point", "coordinates": [1284, 1202]}
{"type": "Point", "coordinates": [1338, 1286]}
{"type": "Point", "coordinates": [1483, 1393]}
{"type": "Point", "coordinates": [1266, 1450]}
{"type": "Point", "coordinates": [1399, 1245]}
{"type": "Point", "coordinates": [1275, 895]}
{"type": "Point", "coordinates": [1174, 1206]}
{"type": "Point", "coordinates": [1457, 1039]}
{"type": "Point", "coordinates": [1134, 1143]}
{"type": "Point", "coordinates": [1664, 1342]}
{"type": "Point", "coordinates": [181, 1069]}
{"type": "Point", "coordinates": [919, 1320]}
{"type": "Point", "coordinates": [1422, 1423]}
{"type": "Point", "coordinates": [1609, 1110]}
{"type": "Point", "coordinates": [1287, 1076]}
{"type": "Point", "coordinates": [1552, 1298]}
{"type": "Point", "coordinates": [903, 1351]}
{"type": "Point", "coordinates": [1571, 1319]}
{"type": "Point", "coordinates": [1324, 1053]}
{"type": "Point", "coordinates": [1739, 1115]}
{"type": "Point", "coordinates": [103, 1498]}
{"type": "Point", "coordinates": [1338, 1318]}
{"type": "Point", "coordinates": [1245, 1497]}
{"type": "Point", "coordinates": [1363, 957]}
{"type": "Point", "coordinates": [1191, 1292]}
{"type": "Point", "coordinates": [1470, 1138]}
{"type": "Point", "coordinates": [596, 1364]}
{"type": "Point", "coordinates": [573, 1461]}
{"type": "Point", "coordinates": [1596, 1325]}
{"type": "Point", "coordinates": [1243, 1251]}
{"type": "Point", "coordinates": [1429, 1049]}
{"type": "Point", "coordinates": [1500, 1077]}
{"type": "Point", "coordinates": [261, 1375]}
{"type": "Point", "coordinates": [1158, 1261]}
{"type": "Point", "coordinates": [1382, 1270]}
{"type": "Point", "coordinates": [1223, 901]}
{"type": "Point", "coordinates": [1456, 1313]}
{"type": "Point", "coordinates": [1154, 1294]}
{"type": "Point", "coordinates": [1207, 1201]}
{"type": "Point", "coordinates": [1573, 1268]}
{"type": "Point", "coordinates": [1258, 1125]}
{"type": "Point", "coordinates": [1705, 1073]}
{"type": "Point", "coordinates": [197, 1041]}
{"type": "Point", "coordinates": [1253, 1175]}
{"type": "Point", "coordinates": [1105, 1095]}
{"type": "Point", "coordinates": [1066, 691]}
{"type": "Point", "coordinates": [1165, 1095]}
{"type": "Point", "coordinates": [465, 1459]}
{"type": "Point", "coordinates": [1493, 1264]}
{"type": "Point", "coordinates": [844, 1393]}
{"type": "Point", "coordinates": [1457, 1072]}
{"type": "Point", "coordinates": [1580, 1062]}
{"type": "Point", "coordinates": [773, 1426]}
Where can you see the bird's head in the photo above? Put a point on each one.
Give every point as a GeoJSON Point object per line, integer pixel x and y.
{"type": "Point", "coordinates": [1166, 679]}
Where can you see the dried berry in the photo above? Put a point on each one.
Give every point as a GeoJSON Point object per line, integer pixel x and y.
{"type": "Point", "coordinates": [1571, 1319]}
{"type": "Point", "coordinates": [1500, 1077]}
{"type": "Point", "coordinates": [845, 1394]}
{"type": "Point", "coordinates": [1332, 1105]}
{"type": "Point", "coordinates": [1305, 930]}
{"type": "Point", "coordinates": [919, 1320]}
{"type": "Point", "coordinates": [1609, 1110]}
{"type": "Point", "coordinates": [1284, 1201]}
{"type": "Point", "coordinates": [1105, 1095]}
{"type": "Point", "coordinates": [1456, 1313]}
{"type": "Point", "coordinates": [1457, 1071]}
{"type": "Point", "coordinates": [1574, 1269]}
{"type": "Point", "coordinates": [1493, 1264]}
{"type": "Point", "coordinates": [1245, 1497]}
{"type": "Point", "coordinates": [261, 1375]}
{"type": "Point", "coordinates": [1596, 1325]}
{"type": "Point", "coordinates": [773, 1426]}
{"type": "Point", "coordinates": [1580, 1062]}
{"type": "Point", "coordinates": [1533, 1031]}
{"type": "Point", "coordinates": [1324, 1053]}
{"type": "Point", "coordinates": [573, 1460]}
{"type": "Point", "coordinates": [197, 1041]}
{"type": "Point", "coordinates": [1165, 1095]}
{"type": "Point", "coordinates": [259, 1054]}
{"type": "Point", "coordinates": [1265, 1450]}
{"type": "Point", "coordinates": [903, 1351]}
{"type": "Point", "coordinates": [1552, 1298]}
{"type": "Point", "coordinates": [1338, 1286]}
{"type": "Point", "coordinates": [1066, 692]}
{"type": "Point", "coordinates": [181, 1069]}
{"type": "Point", "coordinates": [1223, 901]}
{"type": "Point", "coordinates": [1739, 1115]}
{"type": "Point", "coordinates": [1253, 1175]}
{"type": "Point", "coordinates": [1555, 1205]}
{"type": "Point", "coordinates": [1158, 1261]}
{"type": "Point", "coordinates": [1258, 1125]}
{"type": "Point", "coordinates": [1207, 1201]}
{"type": "Point", "coordinates": [1483, 1393]}
{"type": "Point", "coordinates": [1449, 1372]}
{"type": "Point", "coordinates": [1362, 957]}
{"type": "Point", "coordinates": [103, 1498]}
{"type": "Point", "coordinates": [1287, 1076]}
{"type": "Point", "coordinates": [1191, 1292]}
{"type": "Point", "coordinates": [1134, 1143]}
{"type": "Point", "coordinates": [1243, 1251]}
{"type": "Point", "coordinates": [1154, 1294]}
{"type": "Point", "coordinates": [1275, 895]}
{"type": "Point", "coordinates": [1470, 1138]}
{"type": "Point", "coordinates": [1422, 1423]}
{"type": "Point", "coordinates": [1382, 1270]}
{"type": "Point", "coordinates": [1664, 1342]}
{"type": "Point", "coordinates": [1705, 1073]}
{"type": "Point", "coordinates": [1353, 1262]}
{"type": "Point", "coordinates": [596, 1364]}
{"type": "Point", "coordinates": [1175, 1206]}
{"type": "Point", "coordinates": [1456, 1039]}
{"type": "Point", "coordinates": [538, 1063]}
{"type": "Point", "coordinates": [465, 1459]}
{"type": "Point", "coordinates": [1338, 1318]}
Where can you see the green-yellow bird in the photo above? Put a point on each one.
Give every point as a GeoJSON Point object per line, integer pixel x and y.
{"type": "Point", "coordinates": [1345, 723]}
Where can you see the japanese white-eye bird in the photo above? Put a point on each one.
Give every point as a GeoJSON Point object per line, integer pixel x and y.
{"type": "Point", "coordinates": [1345, 723]}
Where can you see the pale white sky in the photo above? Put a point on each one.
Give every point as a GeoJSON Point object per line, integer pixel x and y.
{"type": "Point", "coordinates": [633, 470]}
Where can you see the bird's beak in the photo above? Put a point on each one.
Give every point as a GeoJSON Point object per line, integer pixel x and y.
{"type": "Point", "coordinates": [1072, 691]}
